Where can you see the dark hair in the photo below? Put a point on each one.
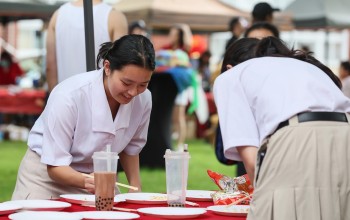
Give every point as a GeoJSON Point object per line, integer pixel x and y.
{"type": "Point", "coordinates": [6, 56]}
{"type": "Point", "coordinates": [233, 22]}
{"type": "Point", "coordinates": [263, 25]}
{"type": "Point", "coordinates": [249, 48]}
{"type": "Point", "coordinates": [129, 49]}
{"type": "Point", "coordinates": [262, 11]}
{"type": "Point", "coordinates": [346, 66]}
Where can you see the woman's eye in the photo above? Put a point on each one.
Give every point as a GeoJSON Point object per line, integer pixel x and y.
{"type": "Point", "coordinates": [126, 84]}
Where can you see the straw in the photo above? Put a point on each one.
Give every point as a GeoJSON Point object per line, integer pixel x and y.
{"type": "Point", "coordinates": [116, 183]}
{"type": "Point", "coordinates": [109, 159]}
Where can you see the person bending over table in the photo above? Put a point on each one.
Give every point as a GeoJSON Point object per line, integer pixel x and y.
{"type": "Point", "coordinates": [283, 113]}
{"type": "Point", "coordinates": [84, 114]}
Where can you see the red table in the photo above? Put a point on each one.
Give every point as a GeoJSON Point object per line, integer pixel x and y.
{"type": "Point", "coordinates": [21, 101]}
{"type": "Point", "coordinates": [208, 215]}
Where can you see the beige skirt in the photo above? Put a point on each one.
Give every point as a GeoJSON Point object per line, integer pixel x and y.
{"type": "Point", "coordinates": [33, 181]}
{"type": "Point", "coordinates": [305, 174]}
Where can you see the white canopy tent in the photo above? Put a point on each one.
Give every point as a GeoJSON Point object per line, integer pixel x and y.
{"type": "Point", "coordinates": [320, 13]}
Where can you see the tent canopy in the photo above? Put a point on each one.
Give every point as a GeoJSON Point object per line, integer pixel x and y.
{"type": "Point", "coordinates": [17, 10]}
{"type": "Point", "coordinates": [320, 13]}
{"type": "Point", "coordinates": [201, 15]}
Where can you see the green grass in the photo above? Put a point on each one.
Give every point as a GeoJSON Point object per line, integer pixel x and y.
{"type": "Point", "coordinates": [11, 154]}
{"type": "Point", "coordinates": [153, 180]}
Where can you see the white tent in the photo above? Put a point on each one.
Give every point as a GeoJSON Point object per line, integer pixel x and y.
{"type": "Point", "coordinates": [320, 13]}
{"type": "Point", "coordinates": [201, 15]}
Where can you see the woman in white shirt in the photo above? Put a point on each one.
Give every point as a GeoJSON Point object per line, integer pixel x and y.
{"type": "Point", "coordinates": [283, 113]}
{"type": "Point", "coordinates": [109, 106]}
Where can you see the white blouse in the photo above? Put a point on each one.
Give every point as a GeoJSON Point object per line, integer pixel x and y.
{"type": "Point", "coordinates": [77, 121]}
{"type": "Point", "coordinates": [255, 96]}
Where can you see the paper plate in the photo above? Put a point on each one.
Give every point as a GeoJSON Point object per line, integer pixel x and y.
{"type": "Point", "coordinates": [44, 215]}
{"type": "Point", "coordinates": [107, 215]}
{"type": "Point", "coordinates": [144, 198]}
{"type": "Point", "coordinates": [230, 210]}
{"type": "Point", "coordinates": [40, 205]}
{"type": "Point", "coordinates": [6, 208]}
{"type": "Point", "coordinates": [172, 212]}
{"type": "Point", "coordinates": [199, 195]}
{"type": "Point", "coordinates": [84, 199]}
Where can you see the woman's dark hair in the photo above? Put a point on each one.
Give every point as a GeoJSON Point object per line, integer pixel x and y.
{"type": "Point", "coordinates": [263, 25]}
{"type": "Point", "coordinates": [129, 49]}
{"type": "Point", "coordinates": [248, 48]}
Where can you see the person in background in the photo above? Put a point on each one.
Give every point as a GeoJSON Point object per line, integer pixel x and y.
{"type": "Point", "coordinates": [260, 30]}
{"type": "Point", "coordinates": [236, 28]}
{"type": "Point", "coordinates": [180, 38]}
{"type": "Point", "coordinates": [204, 70]}
{"type": "Point", "coordinates": [9, 69]}
{"type": "Point", "coordinates": [84, 114]}
{"type": "Point", "coordinates": [283, 113]}
{"type": "Point", "coordinates": [65, 45]}
{"type": "Point", "coordinates": [305, 48]}
{"type": "Point", "coordinates": [138, 27]}
{"type": "Point", "coordinates": [263, 12]}
{"type": "Point", "coordinates": [344, 75]}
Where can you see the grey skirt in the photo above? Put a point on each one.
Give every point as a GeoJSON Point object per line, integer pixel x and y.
{"type": "Point", "coordinates": [305, 173]}
{"type": "Point", "coordinates": [33, 181]}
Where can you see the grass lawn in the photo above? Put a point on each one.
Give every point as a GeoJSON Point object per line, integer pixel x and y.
{"type": "Point", "coordinates": [153, 180]}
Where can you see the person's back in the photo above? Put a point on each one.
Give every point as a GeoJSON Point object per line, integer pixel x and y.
{"type": "Point", "coordinates": [66, 53]}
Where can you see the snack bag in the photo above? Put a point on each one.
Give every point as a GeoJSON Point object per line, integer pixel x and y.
{"type": "Point", "coordinates": [226, 198]}
{"type": "Point", "coordinates": [231, 189]}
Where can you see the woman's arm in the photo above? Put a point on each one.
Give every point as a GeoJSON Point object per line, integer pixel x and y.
{"type": "Point", "coordinates": [68, 176]}
{"type": "Point", "coordinates": [248, 155]}
{"type": "Point", "coordinates": [131, 166]}
{"type": "Point", "coordinates": [51, 63]}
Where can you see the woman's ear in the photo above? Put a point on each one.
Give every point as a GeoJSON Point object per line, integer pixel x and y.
{"type": "Point", "coordinates": [106, 68]}
{"type": "Point", "coordinates": [228, 66]}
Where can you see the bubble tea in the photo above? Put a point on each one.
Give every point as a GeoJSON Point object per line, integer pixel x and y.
{"type": "Point", "coordinates": [105, 168]}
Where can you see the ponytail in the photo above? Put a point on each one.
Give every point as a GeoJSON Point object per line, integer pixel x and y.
{"type": "Point", "coordinates": [103, 53]}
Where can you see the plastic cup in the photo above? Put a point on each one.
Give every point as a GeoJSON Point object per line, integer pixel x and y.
{"type": "Point", "coordinates": [105, 176]}
{"type": "Point", "coordinates": [176, 167]}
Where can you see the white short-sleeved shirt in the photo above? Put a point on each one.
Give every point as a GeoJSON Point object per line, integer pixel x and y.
{"type": "Point", "coordinates": [255, 96]}
{"type": "Point", "coordinates": [77, 121]}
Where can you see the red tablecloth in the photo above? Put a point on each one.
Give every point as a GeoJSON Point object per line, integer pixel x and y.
{"type": "Point", "coordinates": [26, 101]}
{"type": "Point", "coordinates": [207, 215]}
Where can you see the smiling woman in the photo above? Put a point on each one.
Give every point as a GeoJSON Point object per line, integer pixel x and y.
{"type": "Point", "coordinates": [86, 112]}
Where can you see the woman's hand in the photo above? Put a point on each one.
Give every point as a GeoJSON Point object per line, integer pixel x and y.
{"type": "Point", "coordinates": [66, 175]}
{"type": "Point", "coordinates": [90, 184]}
